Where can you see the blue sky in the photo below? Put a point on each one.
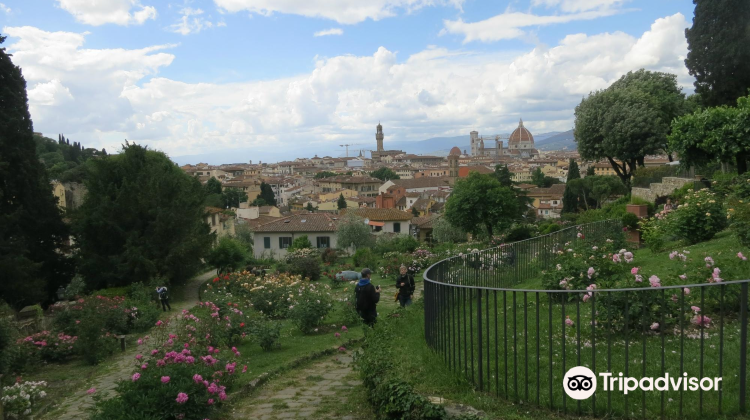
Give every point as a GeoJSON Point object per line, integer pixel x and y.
{"type": "Point", "coordinates": [250, 77]}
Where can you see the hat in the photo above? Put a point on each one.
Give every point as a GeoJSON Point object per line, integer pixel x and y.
{"type": "Point", "coordinates": [366, 272]}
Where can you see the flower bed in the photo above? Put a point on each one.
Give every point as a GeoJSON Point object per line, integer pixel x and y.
{"type": "Point", "coordinates": [20, 398]}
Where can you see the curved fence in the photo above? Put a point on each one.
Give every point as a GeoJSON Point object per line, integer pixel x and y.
{"type": "Point", "coordinates": [517, 342]}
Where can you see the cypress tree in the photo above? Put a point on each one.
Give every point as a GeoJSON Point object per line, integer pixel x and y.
{"type": "Point", "coordinates": [570, 199]}
{"type": "Point", "coordinates": [341, 203]}
{"type": "Point", "coordinates": [31, 227]}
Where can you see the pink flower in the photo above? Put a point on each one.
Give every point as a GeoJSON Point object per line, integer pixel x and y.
{"type": "Point", "coordinates": [586, 297]}
{"type": "Point", "coordinates": [742, 257]}
{"type": "Point", "coordinates": [655, 282]}
{"type": "Point", "coordinates": [342, 349]}
{"type": "Point", "coordinates": [686, 290]}
{"type": "Point", "coordinates": [628, 257]}
{"type": "Point", "coordinates": [683, 276]}
{"type": "Point", "coordinates": [674, 298]}
{"type": "Point", "coordinates": [136, 376]}
{"type": "Point", "coordinates": [591, 271]}
{"type": "Point", "coordinates": [616, 258]}
{"type": "Point", "coordinates": [638, 278]}
{"type": "Point", "coordinates": [701, 321]}
{"type": "Point", "coordinates": [695, 309]}
{"type": "Point", "coordinates": [709, 261]}
{"type": "Point", "coordinates": [91, 391]}
{"type": "Point", "coordinates": [181, 398]}
{"type": "Point", "coordinates": [197, 378]}
{"type": "Point", "coordinates": [343, 328]}
{"type": "Point", "coordinates": [569, 322]}
{"type": "Point", "coordinates": [158, 323]}
{"type": "Point", "coordinates": [634, 270]}
{"type": "Point", "coordinates": [165, 379]}
{"type": "Point", "coordinates": [138, 356]}
{"type": "Point", "coordinates": [244, 369]}
{"type": "Point", "coordinates": [337, 335]}
{"type": "Point", "coordinates": [673, 254]}
{"type": "Point", "coordinates": [140, 341]}
{"type": "Point", "coordinates": [210, 401]}
{"type": "Point", "coordinates": [655, 326]}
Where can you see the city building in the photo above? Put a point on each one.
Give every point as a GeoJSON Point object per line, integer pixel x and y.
{"type": "Point", "coordinates": [520, 144]}
{"type": "Point", "coordinates": [272, 239]}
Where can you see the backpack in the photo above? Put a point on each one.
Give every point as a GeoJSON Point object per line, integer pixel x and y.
{"type": "Point", "coordinates": [359, 298]}
{"type": "Point", "coordinates": [164, 294]}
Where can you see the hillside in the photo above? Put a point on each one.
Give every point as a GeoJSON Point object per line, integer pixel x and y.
{"type": "Point", "coordinates": [559, 141]}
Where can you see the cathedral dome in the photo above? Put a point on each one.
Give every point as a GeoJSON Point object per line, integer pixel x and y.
{"type": "Point", "coordinates": [521, 135]}
{"type": "Point", "coordinates": [455, 151]}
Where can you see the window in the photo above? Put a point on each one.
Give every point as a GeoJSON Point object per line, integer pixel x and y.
{"type": "Point", "coordinates": [324, 242]}
{"type": "Point", "coordinates": [267, 242]}
{"type": "Point", "coordinates": [285, 242]}
{"type": "Point", "coordinates": [397, 227]}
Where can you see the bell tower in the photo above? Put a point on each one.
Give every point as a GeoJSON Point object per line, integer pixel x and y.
{"type": "Point", "coordinates": [379, 137]}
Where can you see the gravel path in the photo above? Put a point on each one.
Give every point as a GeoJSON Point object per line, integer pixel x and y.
{"type": "Point", "coordinates": [120, 366]}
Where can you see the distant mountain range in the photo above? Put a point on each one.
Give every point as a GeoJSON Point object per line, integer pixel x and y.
{"type": "Point", "coordinates": [436, 146]}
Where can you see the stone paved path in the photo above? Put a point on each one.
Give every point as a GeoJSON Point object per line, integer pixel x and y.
{"type": "Point", "coordinates": [327, 389]}
{"type": "Point", "coordinates": [120, 366]}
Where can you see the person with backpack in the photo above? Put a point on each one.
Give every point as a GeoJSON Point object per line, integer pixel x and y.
{"type": "Point", "coordinates": [405, 286]}
{"type": "Point", "coordinates": [366, 298]}
{"type": "Point", "coordinates": [163, 297]}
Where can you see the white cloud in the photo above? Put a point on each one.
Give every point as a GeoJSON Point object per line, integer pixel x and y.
{"type": "Point", "coordinates": [103, 96]}
{"type": "Point", "coordinates": [332, 31]}
{"type": "Point", "coordinates": [192, 22]}
{"type": "Point", "coordinates": [570, 6]}
{"type": "Point", "coordinates": [5, 9]}
{"type": "Point", "coordinates": [342, 11]}
{"type": "Point", "coordinates": [100, 12]}
{"type": "Point", "coordinates": [508, 25]}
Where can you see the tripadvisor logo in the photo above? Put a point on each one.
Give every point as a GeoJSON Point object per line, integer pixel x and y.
{"type": "Point", "coordinates": [580, 383]}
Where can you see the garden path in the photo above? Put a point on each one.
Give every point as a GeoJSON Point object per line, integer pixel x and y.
{"type": "Point", "coordinates": [119, 366]}
{"type": "Point", "coordinates": [327, 389]}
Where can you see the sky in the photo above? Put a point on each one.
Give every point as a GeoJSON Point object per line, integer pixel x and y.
{"type": "Point", "coordinates": [270, 80]}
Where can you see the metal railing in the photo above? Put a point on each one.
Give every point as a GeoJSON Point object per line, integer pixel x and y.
{"type": "Point", "coordinates": [518, 343]}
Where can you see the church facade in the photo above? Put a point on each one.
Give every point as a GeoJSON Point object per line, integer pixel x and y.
{"type": "Point", "coordinates": [520, 144]}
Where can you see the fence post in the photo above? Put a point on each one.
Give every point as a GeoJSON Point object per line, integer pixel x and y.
{"type": "Point", "coordinates": [479, 335]}
{"type": "Point", "coordinates": [743, 347]}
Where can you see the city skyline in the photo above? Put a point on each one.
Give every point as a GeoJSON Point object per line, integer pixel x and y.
{"type": "Point", "coordinates": [253, 78]}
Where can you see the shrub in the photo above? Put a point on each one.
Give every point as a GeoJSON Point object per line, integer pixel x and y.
{"type": "Point", "coordinates": [739, 217]}
{"type": "Point", "coordinates": [20, 398]}
{"type": "Point", "coordinates": [48, 346]}
{"type": "Point", "coordinates": [520, 232]}
{"type": "Point", "coordinates": [267, 333]}
{"type": "Point", "coordinates": [300, 242]}
{"type": "Point", "coordinates": [364, 258]}
{"type": "Point", "coordinates": [176, 382]}
{"type": "Point", "coordinates": [699, 217]}
{"type": "Point", "coordinates": [630, 221]}
{"type": "Point", "coordinates": [310, 309]}
{"type": "Point", "coordinates": [443, 231]}
{"type": "Point", "coordinates": [76, 288]}
{"type": "Point", "coordinates": [329, 256]}
{"type": "Point", "coordinates": [228, 255]}
{"type": "Point", "coordinates": [396, 243]}
{"type": "Point", "coordinates": [304, 262]}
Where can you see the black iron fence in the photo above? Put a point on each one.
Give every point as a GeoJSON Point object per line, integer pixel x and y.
{"type": "Point", "coordinates": [518, 343]}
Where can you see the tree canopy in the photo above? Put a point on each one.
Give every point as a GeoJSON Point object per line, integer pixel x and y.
{"type": "Point", "coordinates": [596, 189]}
{"type": "Point", "coordinates": [502, 174]}
{"type": "Point", "coordinates": [341, 203]}
{"type": "Point", "coordinates": [228, 255]}
{"type": "Point", "coordinates": [352, 230]}
{"type": "Point", "coordinates": [721, 133]}
{"type": "Point", "coordinates": [443, 231]}
{"type": "Point", "coordinates": [63, 160]}
{"type": "Point", "coordinates": [142, 217]}
{"type": "Point", "coordinates": [32, 232]}
{"type": "Point", "coordinates": [266, 193]}
{"type": "Point", "coordinates": [479, 202]}
{"type": "Point", "coordinates": [324, 174]}
{"type": "Point", "coordinates": [628, 120]}
{"type": "Point", "coordinates": [718, 53]}
{"type": "Point", "coordinates": [384, 174]}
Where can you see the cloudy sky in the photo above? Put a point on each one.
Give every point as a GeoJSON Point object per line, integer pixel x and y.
{"type": "Point", "coordinates": [275, 79]}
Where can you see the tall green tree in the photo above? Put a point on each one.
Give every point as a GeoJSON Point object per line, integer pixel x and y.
{"type": "Point", "coordinates": [480, 203]}
{"type": "Point", "coordinates": [232, 197]}
{"type": "Point", "coordinates": [596, 190]}
{"type": "Point", "coordinates": [384, 174]}
{"type": "Point", "coordinates": [570, 198]}
{"type": "Point", "coordinates": [309, 207]}
{"type": "Point", "coordinates": [31, 228]}
{"type": "Point", "coordinates": [719, 133]}
{"type": "Point", "coordinates": [718, 53]}
{"type": "Point", "coordinates": [590, 171]}
{"type": "Point", "coordinates": [537, 177]}
{"type": "Point", "coordinates": [503, 175]}
{"type": "Point", "coordinates": [213, 186]}
{"type": "Point", "coordinates": [352, 231]}
{"type": "Point", "coordinates": [142, 217]}
{"type": "Point", "coordinates": [341, 203]}
{"type": "Point", "coordinates": [228, 255]}
{"type": "Point", "coordinates": [266, 193]}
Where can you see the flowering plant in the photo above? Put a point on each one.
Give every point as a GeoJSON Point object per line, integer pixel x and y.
{"type": "Point", "coordinates": [49, 346]}
{"type": "Point", "coordinates": [699, 217]}
{"type": "Point", "coordinates": [19, 399]}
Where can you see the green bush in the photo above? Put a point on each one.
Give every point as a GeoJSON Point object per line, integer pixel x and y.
{"type": "Point", "coordinates": [112, 292]}
{"type": "Point", "coordinates": [520, 232]}
{"type": "Point", "coordinates": [365, 258]}
{"type": "Point", "coordinates": [304, 262]}
{"type": "Point", "coordinates": [630, 221]}
{"type": "Point", "coordinates": [395, 243]}
{"type": "Point", "coordinates": [699, 217]}
{"type": "Point", "coordinates": [266, 332]}
{"type": "Point", "coordinates": [300, 242]}
{"type": "Point", "coordinates": [310, 310]}
{"type": "Point", "coordinates": [329, 256]}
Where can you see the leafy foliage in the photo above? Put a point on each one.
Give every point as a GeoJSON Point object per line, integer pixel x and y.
{"type": "Point", "coordinates": [142, 217]}
{"type": "Point", "coordinates": [718, 56]}
{"type": "Point", "coordinates": [502, 174]}
{"type": "Point", "coordinates": [324, 174]}
{"type": "Point", "coordinates": [384, 174]}
{"type": "Point", "coordinates": [480, 201]}
{"type": "Point", "coordinates": [31, 228]}
{"type": "Point", "coordinates": [443, 231]}
{"type": "Point", "coordinates": [352, 231]}
{"type": "Point", "coordinates": [266, 194]}
{"type": "Point", "coordinates": [596, 189]}
{"type": "Point", "coordinates": [341, 203]}
{"type": "Point", "coordinates": [228, 255]}
{"type": "Point", "coordinates": [714, 133]}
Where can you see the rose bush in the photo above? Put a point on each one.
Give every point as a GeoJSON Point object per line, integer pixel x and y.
{"type": "Point", "coordinates": [20, 398]}
{"type": "Point", "coordinates": [699, 217]}
{"type": "Point", "coordinates": [48, 346]}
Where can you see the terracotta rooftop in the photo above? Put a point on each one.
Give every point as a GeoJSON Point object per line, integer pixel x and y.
{"type": "Point", "coordinates": [385, 215]}
{"type": "Point", "coordinates": [425, 182]}
{"type": "Point", "coordinates": [303, 222]}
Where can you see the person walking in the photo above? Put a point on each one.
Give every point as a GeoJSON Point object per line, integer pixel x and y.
{"type": "Point", "coordinates": [366, 298]}
{"type": "Point", "coordinates": [164, 297]}
{"type": "Point", "coordinates": [405, 286]}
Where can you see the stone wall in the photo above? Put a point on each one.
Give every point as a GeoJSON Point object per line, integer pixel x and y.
{"type": "Point", "coordinates": [660, 189]}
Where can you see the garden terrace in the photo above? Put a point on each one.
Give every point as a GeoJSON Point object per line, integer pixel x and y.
{"type": "Point", "coordinates": [516, 342]}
